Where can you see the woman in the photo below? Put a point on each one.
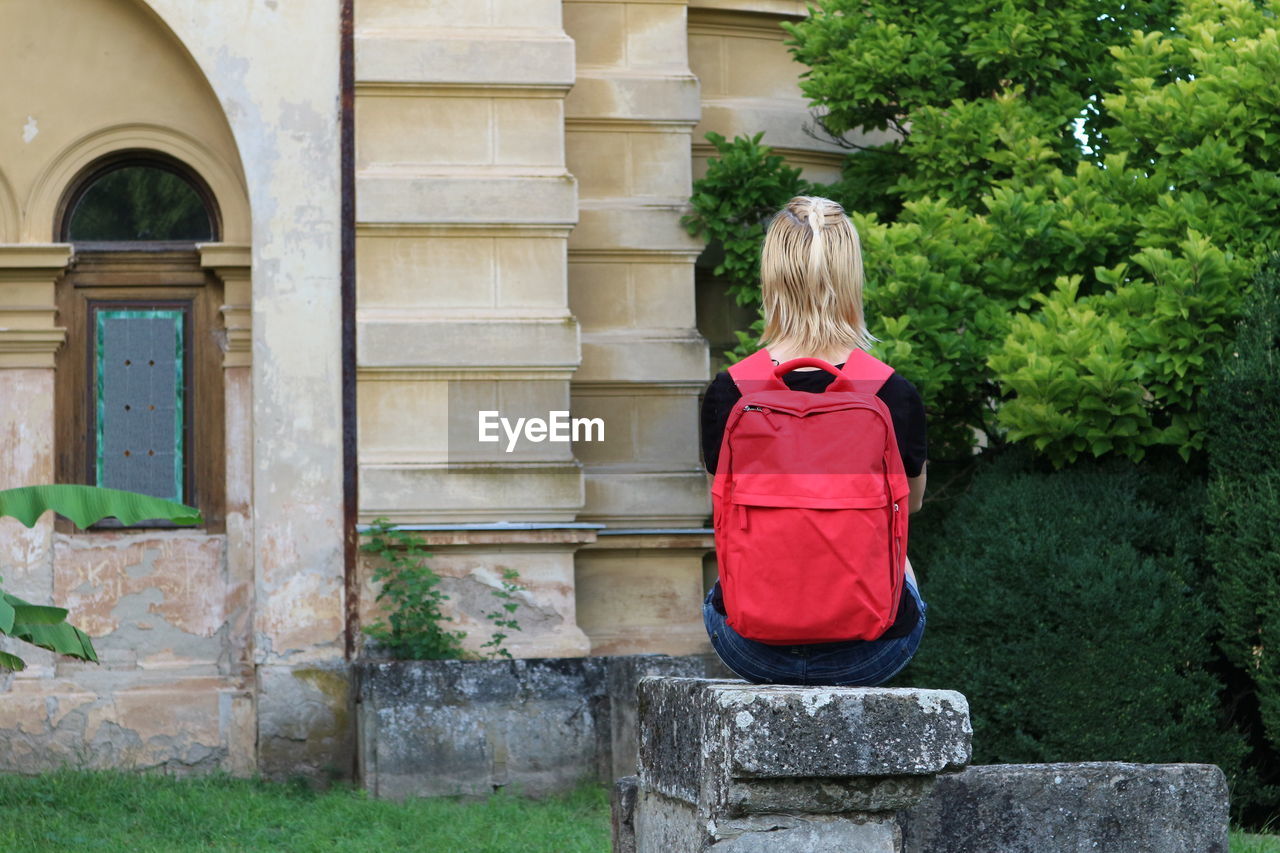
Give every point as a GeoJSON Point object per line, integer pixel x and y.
{"type": "Point", "coordinates": [811, 286]}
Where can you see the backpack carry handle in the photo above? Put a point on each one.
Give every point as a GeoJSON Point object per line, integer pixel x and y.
{"type": "Point", "coordinates": [861, 372]}
{"type": "Point", "coordinates": [841, 383]}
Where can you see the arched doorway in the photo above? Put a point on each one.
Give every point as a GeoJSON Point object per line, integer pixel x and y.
{"type": "Point", "coordinates": [124, 361]}
{"type": "Point", "coordinates": [139, 396]}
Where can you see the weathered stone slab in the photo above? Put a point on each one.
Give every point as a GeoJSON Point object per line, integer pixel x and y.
{"type": "Point", "coordinates": [666, 825]}
{"type": "Point", "coordinates": [728, 743]}
{"type": "Point", "coordinates": [1064, 808]}
{"type": "Point", "coordinates": [304, 721]}
{"type": "Point", "coordinates": [732, 766]}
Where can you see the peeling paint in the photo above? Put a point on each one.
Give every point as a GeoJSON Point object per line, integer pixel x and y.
{"type": "Point", "coordinates": [180, 576]}
{"type": "Point", "coordinates": [30, 130]}
{"type": "Point", "coordinates": [175, 726]}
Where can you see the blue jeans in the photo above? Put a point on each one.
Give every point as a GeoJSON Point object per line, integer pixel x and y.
{"type": "Point", "coordinates": [852, 663]}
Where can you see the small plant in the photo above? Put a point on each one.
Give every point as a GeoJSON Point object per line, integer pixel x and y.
{"type": "Point", "coordinates": [414, 628]}
{"type": "Point", "coordinates": [504, 617]}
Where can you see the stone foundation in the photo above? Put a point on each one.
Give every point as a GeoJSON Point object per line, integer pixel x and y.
{"type": "Point", "coordinates": [737, 767]}
{"type": "Point", "coordinates": [539, 726]}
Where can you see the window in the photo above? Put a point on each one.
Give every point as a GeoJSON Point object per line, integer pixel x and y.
{"type": "Point", "coordinates": [138, 202]}
{"type": "Point", "coordinates": [139, 380]}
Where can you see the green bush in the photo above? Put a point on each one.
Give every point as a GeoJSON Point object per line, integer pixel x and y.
{"type": "Point", "coordinates": [1069, 608]}
{"type": "Point", "coordinates": [1244, 510]}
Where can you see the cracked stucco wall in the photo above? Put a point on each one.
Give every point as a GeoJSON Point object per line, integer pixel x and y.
{"type": "Point", "coordinates": [210, 642]}
{"type": "Point", "coordinates": [285, 125]}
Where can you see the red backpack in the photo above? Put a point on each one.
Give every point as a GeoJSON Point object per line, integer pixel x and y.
{"type": "Point", "coordinates": [809, 505]}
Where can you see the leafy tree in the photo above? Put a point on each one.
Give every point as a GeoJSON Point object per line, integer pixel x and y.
{"type": "Point", "coordinates": [1158, 242]}
{"type": "Point", "coordinates": [1035, 287]}
{"type": "Point", "coordinates": [45, 626]}
{"type": "Point", "coordinates": [969, 93]}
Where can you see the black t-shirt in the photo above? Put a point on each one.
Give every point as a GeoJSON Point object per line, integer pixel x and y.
{"type": "Point", "coordinates": [906, 409]}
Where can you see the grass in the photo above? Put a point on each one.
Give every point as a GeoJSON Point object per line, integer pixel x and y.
{"type": "Point", "coordinates": [1243, 842]}
{"type": "Point", "coordinates": [146, 813]}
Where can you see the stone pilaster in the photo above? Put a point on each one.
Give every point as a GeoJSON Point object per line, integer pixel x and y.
{"type": "Point", "coordinates": [629, 122]}
{"type": "Point", "coordinates": [232, 264]}
{"type": "Point", "coordinates": [29, 340]}
{"type": "Point", "coordinates": [631, 285]}
{"type": "Point", "coordinates": [29, 335]}
{"type": "Point", "coordinates": [464, 208]}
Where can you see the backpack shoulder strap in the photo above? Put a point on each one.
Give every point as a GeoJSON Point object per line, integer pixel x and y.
{"type": "Point", "coordinates": [867, 372]}
{"type": "Point", "coordinates": [753, 372]}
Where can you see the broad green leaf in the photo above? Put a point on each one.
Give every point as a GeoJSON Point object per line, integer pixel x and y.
{"type": "Point", "coordinates": [12, 663]}
{"type": "Point", "coordinates": [62, 638]}
{"type": "Point", "coordinates": [87, 505]}
{"type": "Point", "coordinates": [45, 627]}
{"type": "Point", "coordinates": [33, 614]}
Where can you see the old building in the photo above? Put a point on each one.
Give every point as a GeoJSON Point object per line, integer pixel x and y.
{"type": "Point", "coordinates": [184, 238]}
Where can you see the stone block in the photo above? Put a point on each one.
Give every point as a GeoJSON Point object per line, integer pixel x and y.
{"type": "Point", "coordinates": [1065, 808]}
{"type": "Point", "coordinates": [470, 575]}
{"type": "Point", "coordinates": [450, 131]}
{"type": "Point", "coordinates": [675, 355]}
{"type": "Point", "coordinates": [711, 742]}
{"type": "Point", "coordinates": [419, 195]}
{"type": "Point", "coordinates": [624, 95]}
{"type": "Point", "coordinates": [663, 824]}
{"type": "Point", "coordinates": [161, 598]}
{"type": "Point", "coordinates": [623, 674]}
{"type": "Point", "coordinates": [623, 812]}
{"type": "Point", "coordinates": [457, 341]}
{"type": "Point", "coordinates": [747, 767]}
{"type": "Point", "coordinates": [471, 57]}
{"type": "Point", "coordinates": [631, 290]}
{"type": "Point", "coordinates": [651, 225]}
{"type": "Point", "coordinates": [179, 723]}
{"type": "Point", "coordinates": [457, 268]}
{"type": "Point", "coordinates": [395, 15]}
{"type": "Point", "coordinates": [660, 499]}
{"type": "Point", "coordinates": [632, 163]}
{"type": "Point", "coordinates": [459, 492]}
{"type": "Point", "coordinates": [632, 599]}
{"type": "Point", "coordinates": [430, 728]}
{"type": "Point", "coordinates": [304, 721]}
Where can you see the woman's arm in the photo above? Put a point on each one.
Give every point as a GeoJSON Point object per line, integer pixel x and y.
{"type": "Point", "coordinates": [916, 499]}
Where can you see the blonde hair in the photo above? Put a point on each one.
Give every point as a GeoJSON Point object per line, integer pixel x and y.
{"type": "Point", "coordinates": [811, 279]}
